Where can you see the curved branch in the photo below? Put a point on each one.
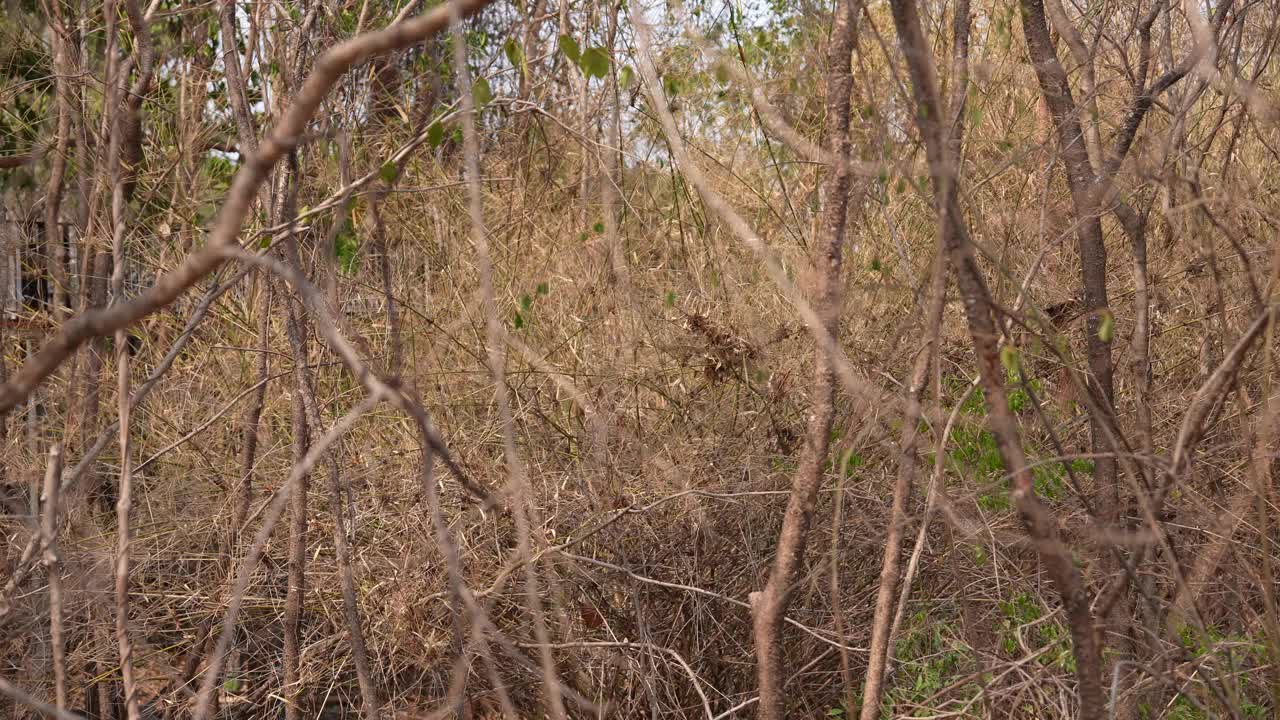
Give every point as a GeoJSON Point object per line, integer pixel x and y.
{"type": "Point", "coordinates": [328, 69]}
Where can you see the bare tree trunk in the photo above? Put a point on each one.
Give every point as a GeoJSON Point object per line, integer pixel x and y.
{"type": "Point", "coordinates": [253, 414]}
{"type": "Point", "coordinates": [49, 528]}
{"type": "Point", "coordinates": [122, 164]}
{"type": "Point", "coordinates": [769, 605]}
{"type": "Point", "coordinates": [979, 311]}
{"type": "Point", "coordinates": [908, 459]}
{"type": "Point", "coordinates": [1081, 180]}
{"type": "Point", "coordinates": [56, 249]}
{"type": "Point", "coordinates": [297, 553]}
{"type": "Point", "coordinates": [881, 637]}
{"type": "Point", "coordinates": [91, 402]}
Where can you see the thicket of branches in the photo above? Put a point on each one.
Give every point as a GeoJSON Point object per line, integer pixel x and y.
{"type": "Point", "coordinates": [568, 359]}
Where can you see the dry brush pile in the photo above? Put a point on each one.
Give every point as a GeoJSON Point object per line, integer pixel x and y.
{"type": "Point", "coordinates": [791, 360]}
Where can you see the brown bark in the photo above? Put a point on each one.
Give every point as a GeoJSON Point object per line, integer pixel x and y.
{"type": "Point", "coordinates": [297, 552]}
{"type": "Point", "coordinates": [56, 252]}
{"type": "Point", "coordinates": [1081, 181]}
{"type": "Point", "coordinates": [307, 419]}
{"type": "Point", "coordinates": [980, 315]}
{"type": "Point", "coordinates": [97, 285]}
{"type": "Point", "coordinates": [253, 414]}
{"type": "Point", "coordinates": [908, 461]}
{"type": "Point", "coordinates": [769, 605]}
{"type": "Point", "coordinates": [49, 529]}
{"type": "Point", "coordinates": [122, 166]}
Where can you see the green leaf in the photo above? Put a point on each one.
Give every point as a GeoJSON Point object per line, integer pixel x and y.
{"type": "Point", "coordinates": [979, 555]}
{"type": "Point", "coordinates": [346, 249]}
{"type": "Point", "coordinates": [435, 134]}
{"type": "Point", "coordinates": [231, 685]}
{"type": "Point", "coordinates": [671, 298]}
{"type": "Point", "coordinates": [595, 62]}
{"type": "Point", "coordinates": [835, 712]}
{"type": "Point", "coordinates": [875, 265]}
{"type": "Point", "coordinates": [626, 76]}
{"type": "Point", "coordinates": [598, 227]}
{"type": "Point", "coordinates": [1009, 358]}
{"type": "Point", "coordinates": [388, 172]}
{"type": "Point", "coordinates": [975, 116]}
{"type": "Point", "coordinates": [515, 53]}
{"type": "Point", "coordinates": [569, 47]}
{"type": "Point", "coordinates": [518, 321]}
{"type": "Point", "coordinates": [481, 93]}
{"type": "Point", "coordinates": [1107, 328]}
{"type": "Point", "coordinates": [526, 302]}
{"type": "Point", "coordinates": [543, 288]}
{"type": "Point", "coordinates": [850, 462]}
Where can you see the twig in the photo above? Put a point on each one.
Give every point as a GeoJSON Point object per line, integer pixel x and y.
{"type": "Point", "coordinates": [26, 698]}
{"type": "Point", "coordinates": [49, 530]}
{"type": "Point", "coordinates": [213, 668]}
{"type": "Point", "coordinates": [881, 624]}
{"type": "Point", "coordinates": [697, 682]}
{"type": "Point", "coordinates": [328, 68]}
{"type": "Point", "coordinates": [519, 482]}
{"type": "Point", "coordinates": [712, 594]}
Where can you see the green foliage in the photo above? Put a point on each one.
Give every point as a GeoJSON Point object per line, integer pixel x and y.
{"type": "Point", "coordinates": [347, 21]}
{"type": "Point", "coordinates": [1025, 610]}
{"type": "Point", "coordinates": [976, 449]}
{"type": "Point", "coordinates": [850, 462]}
{"type": "Point", "coordinates": [435, 134]}
{"type": "Point", "coordinates": [595, 62]}
{"type": "Point", "coordinates": [1106, 326]}
{"type": "Point", "coordinates": [975, 404]}
{"type": "Point", "coordinates": [1018, 400]}
{"type": "Point", "coordinates": [346, 248]}
{"type": "Point", "coordinates": [515, 54]}
{"type": "Point", "coordinates": [569, 47]}
{"type": "Point", "coordinates": [388, 172]}
{"type": "Point", "coordinates": [1049, 480]}
{"type": "Point", "coordinates": [929, 659]}
{"type": "Point", "coordinates": [481, 93]}
{"type": "Point", "coordinates": [1009, 359]}
{"type": "Point", "coordinates": [980, 556]}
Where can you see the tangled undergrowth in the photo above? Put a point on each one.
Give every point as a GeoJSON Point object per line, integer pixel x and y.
{"type": "Point", "coordinates": [658, 381]}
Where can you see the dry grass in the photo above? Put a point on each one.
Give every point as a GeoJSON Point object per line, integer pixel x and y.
{"type": "Point", "coordinates": [676, 393]}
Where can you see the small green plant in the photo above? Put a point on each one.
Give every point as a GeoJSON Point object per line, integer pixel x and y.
{"type": "Point", "coordinates": [1024, 610]}
{"type": "Point", "coordinates": [930, 658]}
